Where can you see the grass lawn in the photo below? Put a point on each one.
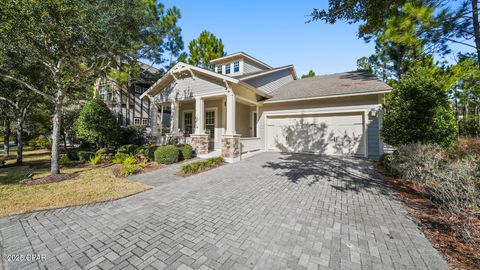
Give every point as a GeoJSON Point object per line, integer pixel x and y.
{"type": "Point", "coordinates": [90, 185]}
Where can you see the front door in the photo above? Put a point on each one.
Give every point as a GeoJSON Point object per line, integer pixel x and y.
{"type": "Point", "coordinates": [210, 128]}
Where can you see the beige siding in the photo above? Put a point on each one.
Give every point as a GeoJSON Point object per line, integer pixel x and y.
{"type": "Point", "coordinates": [242, 119]}
{"type": "Point", "coordinates": [270, 82]}
{"type": "Point", "coordinates": [189, 88]}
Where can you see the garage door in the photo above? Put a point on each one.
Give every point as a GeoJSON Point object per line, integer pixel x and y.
{"type": "Point", "coordinates": [331, 134]}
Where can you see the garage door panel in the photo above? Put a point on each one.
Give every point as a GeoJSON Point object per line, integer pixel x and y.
{"type": "Point", "coordinates": [336, 134]}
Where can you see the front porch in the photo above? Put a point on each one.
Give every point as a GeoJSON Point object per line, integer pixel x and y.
{"type": "Point", "coordinates": [221, 125]}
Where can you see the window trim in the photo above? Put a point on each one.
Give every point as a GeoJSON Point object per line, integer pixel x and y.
{"type": "Point", "coordinates": [228, 68]}
{"type": "Point", "coordinates": [236, 66]}
{"type": "Point", "coordinates": [220, 69]}
{"type": "Point", "coordinates": [135, 121]}
{"type": "Point", "coordinates": [146, 120]}
{"type": "Point", "coordinates": [211, 109]}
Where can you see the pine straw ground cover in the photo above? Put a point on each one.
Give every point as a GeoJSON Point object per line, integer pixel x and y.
{"type": "Point", "coordinates": [76, 185]}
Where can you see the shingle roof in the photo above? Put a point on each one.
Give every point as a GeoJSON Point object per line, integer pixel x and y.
{"type": "Point", "coordinates": [352, 82]}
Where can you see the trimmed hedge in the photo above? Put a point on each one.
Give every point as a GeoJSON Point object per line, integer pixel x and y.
{"type": "Point", "coordinates": [84, 156]}
{"type": "Point", "coordinates": [185, 151]}
{"type": "Point", "coordinates": [199, 166]}
{"type": "Point", "coordinates": [166, 154]}
{"type": "Point", "coordinates": [40, 143]}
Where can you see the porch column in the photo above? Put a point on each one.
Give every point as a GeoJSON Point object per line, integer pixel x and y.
{"type": "Point", "coordinates": [174, 117]}
{"type": "Point", "coordinates": [230, 114]}
{"type": "Point", "coordinates": [153, 119]}
{"type": "Point", "coordinates": [199, 137]}
{"type": "Point", "coordinates": [199, 116]}
{"type": "Point", "coordinates": [231, 146]}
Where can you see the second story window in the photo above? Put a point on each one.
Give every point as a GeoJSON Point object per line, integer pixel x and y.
{"type": "Point", "coordinates": [236, 66]}
{"type": "Point", "coordinates": [227, 69]}
{"type": "Point", "coordinates": [219, 69]}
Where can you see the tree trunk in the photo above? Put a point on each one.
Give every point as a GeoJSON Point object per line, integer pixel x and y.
{"type": "Point", "coordinates": [119, 105]}
{"type": "Point", "coordinates": [57, 120]}
{"type": "Point", "coordinates": [476, 29]}
{"type": "Point", "coordinates": [19, 141]}
{"type": "Point", "coordinates": [6, 137]}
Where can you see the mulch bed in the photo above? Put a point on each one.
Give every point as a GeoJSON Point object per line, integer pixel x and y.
{"type": "Point", "coordinates": [53, 178]}
{"type": "Point", "coordinates": [441, 229]}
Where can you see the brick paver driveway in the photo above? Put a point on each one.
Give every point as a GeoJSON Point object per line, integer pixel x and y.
{"type": "Point", "coordinates": [271, 211]}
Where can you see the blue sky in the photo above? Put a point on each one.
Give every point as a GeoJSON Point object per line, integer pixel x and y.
{"type": "Point", "coordinates": [276, 33]}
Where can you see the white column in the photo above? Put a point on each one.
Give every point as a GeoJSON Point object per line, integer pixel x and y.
{"type": "Point", "coordinates": [174, 117]}
{"type": "Point", "coordinates": [258, 117]}
{"type": "Point", "coordinates": [230, 114]}
{"type": "Point", "coordinates": [199, 116]}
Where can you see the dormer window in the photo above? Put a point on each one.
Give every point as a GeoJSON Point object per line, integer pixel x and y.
{"type": "Point", "coordinates": [219, 69]}
{"type": "Point", "coordinates": [227, 69]}
{"type": "Point", "coordinates": [236, 66]}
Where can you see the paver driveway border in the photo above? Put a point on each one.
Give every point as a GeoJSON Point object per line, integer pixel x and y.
{"type": "Point", "coordinates": [271, 211]}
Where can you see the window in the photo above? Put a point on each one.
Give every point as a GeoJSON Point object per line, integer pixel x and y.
{"type": "Point", "coordinates": [236, 66]}
{"type": "Point", "coordinates": [210, 123]}
{"type": "Point", "coordinates": [187, 123]}
{"type": "Point", "coordinates": [139, 89]}
{"type": "Point", "coordinates": [219, 69]}
{"type": "Point", "coordinates": [227, 69]}
{"type": "Point", "coordinates": [145, 121]}
{"type": "Point", "coordinates": [136, 121]}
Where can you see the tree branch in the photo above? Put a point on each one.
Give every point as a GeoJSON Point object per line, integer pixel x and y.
{"type": "Point", "coordinates": [26, 85]}
{"type": "Point", "coordinates": [459, 42]}
{"type": "Point", "coordinates": [10, 102]}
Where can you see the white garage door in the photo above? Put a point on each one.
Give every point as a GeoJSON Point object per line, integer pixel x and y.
{"type": "Point", "coordinates": [331, 134]}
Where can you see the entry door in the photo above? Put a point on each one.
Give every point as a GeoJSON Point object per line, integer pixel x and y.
{"type": "Point", "coordinates": [210, 127]}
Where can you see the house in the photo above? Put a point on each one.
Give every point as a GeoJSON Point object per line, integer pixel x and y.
{"type": "Point", "coordinates": [246, 105]}
{"type": "Point", "coordinates": [125, 102]}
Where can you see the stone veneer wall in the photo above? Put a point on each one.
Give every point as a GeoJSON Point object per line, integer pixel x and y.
{"type": "Point", "coordinates": [231, 147]}
{"type": "Point", "coordinates": [200, 144]}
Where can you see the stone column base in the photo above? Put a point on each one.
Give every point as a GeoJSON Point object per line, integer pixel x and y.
{"type": "Point", "coordinates": [200, 143]}
{"type": "Point", "coordinates": [231, 148]}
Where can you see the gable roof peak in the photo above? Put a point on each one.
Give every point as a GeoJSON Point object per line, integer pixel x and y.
{"type": "Point", "coordinates": [239, 55]}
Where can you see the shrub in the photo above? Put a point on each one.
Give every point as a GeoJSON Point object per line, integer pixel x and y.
{"type": "Point", "coordinates": [128, 170]}
{"type": "Point", "coordinates": [185, 151]}
{"type": "Point", "coordinates": [453, 185]}
{"type": "Point", "coordinates": [143, 164]}
{"type": "Point", "coordinates": [105, 151]}
{"type": "Point", "coordinates": [119, 158]}
{"type": "Point", "coordinates": [64, 160]}
{"type": "Point", "coordinates": [95, 160]}
{"type": "Point", "coordinates": [84, 156]}
{"type": "Point", "coordinates": [128, 149]}
{"type": "Point", "coordinates": [96, 124]}
{"type": "Point", "coordinates": [129, 160]}
{"type": "Point", "coordinates": [166, 154]}
{"type": "Point", "coordinates": [145, 152]}
{"type": "Point", "coordinates": [73, 156]}
{"type": "Point", "coordinates": [133, 134]}
{"type": "Point", "coordinates": [418, 110]}
{"type": "Point", "coordinates": [199, 166]}
{"type": "Point", "coordinates": [40, 143]}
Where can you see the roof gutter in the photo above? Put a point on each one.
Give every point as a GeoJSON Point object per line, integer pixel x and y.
{"type": "Point", "coordinates": [325, 97]}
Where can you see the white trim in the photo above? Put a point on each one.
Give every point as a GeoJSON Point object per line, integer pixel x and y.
{"type": "Point", "coordinates": [365, 132]}
{"type": "Point", "coordinates": [240, 54]}
{"type": "Point", "coordinates": [246, 100]}
{"type": "Point", "coordinates": [324, 97]}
